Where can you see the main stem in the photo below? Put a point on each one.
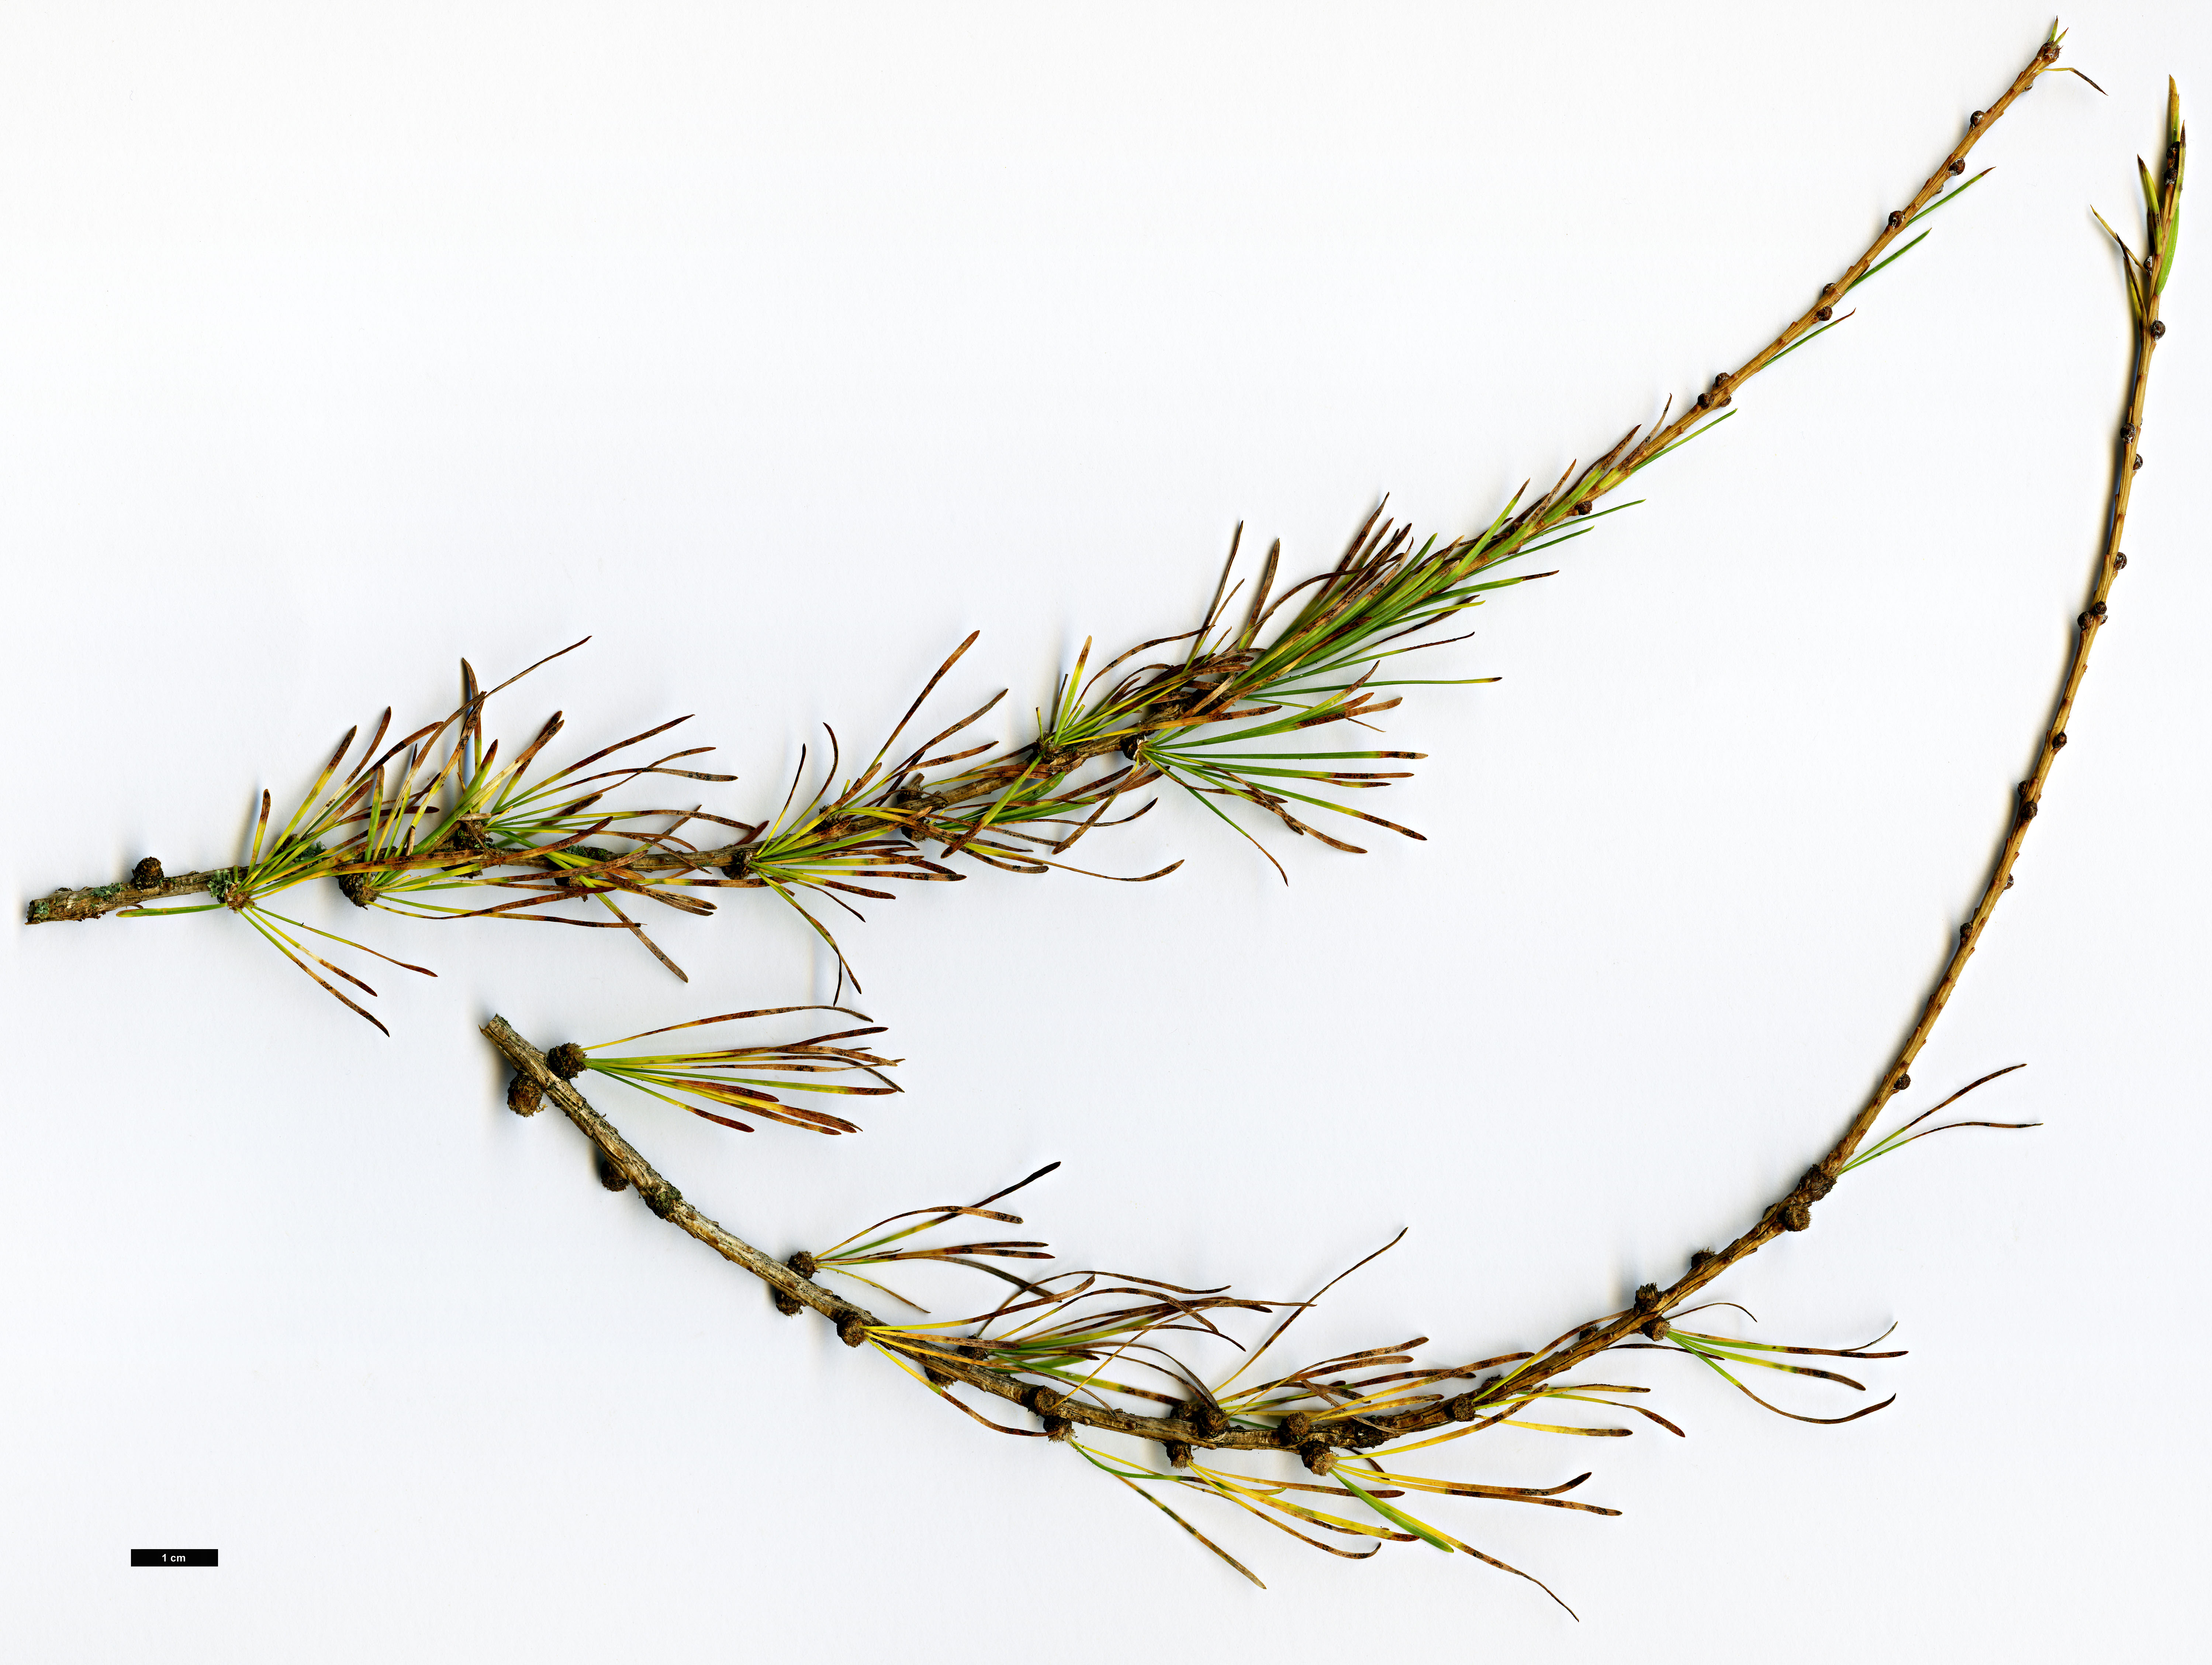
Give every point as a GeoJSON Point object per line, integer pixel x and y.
{"type": "Point", "coordinates": [853, 1322]}
{"type": "Point", "coordinates": [97, 901]}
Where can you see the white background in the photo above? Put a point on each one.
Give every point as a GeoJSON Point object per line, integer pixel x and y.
{"type": "Point", "coordinates": [777, 352]}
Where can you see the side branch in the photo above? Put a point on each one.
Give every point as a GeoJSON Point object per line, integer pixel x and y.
{"type": "Point", "coordinates": [1822, 310]}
